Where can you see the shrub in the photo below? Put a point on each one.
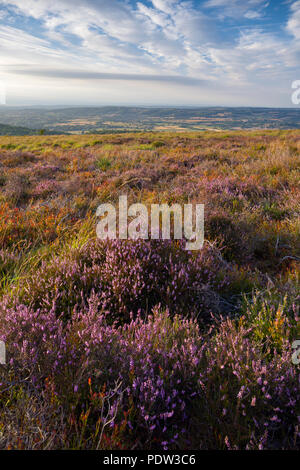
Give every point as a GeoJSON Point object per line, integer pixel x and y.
{"type": "Point", "coordinates": [128, 276]}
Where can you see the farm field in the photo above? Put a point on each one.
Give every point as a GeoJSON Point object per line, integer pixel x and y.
{"type": "Point", "coordinates": [141, 344]}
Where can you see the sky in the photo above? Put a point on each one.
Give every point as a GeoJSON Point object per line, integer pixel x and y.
{"type": "Point", "coordinates": [158, 52]}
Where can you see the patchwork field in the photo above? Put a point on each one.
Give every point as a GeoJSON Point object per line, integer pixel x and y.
{"type": "Point", "coordinates": [141, 344]}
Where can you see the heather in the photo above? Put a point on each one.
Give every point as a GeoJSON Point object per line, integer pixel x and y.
{"type": "Point", "coordinates": [151, 383]}
{"type": "Point", "coordinates": [142, 344]}
{"type": "Point", "coordinates": [128, 277]}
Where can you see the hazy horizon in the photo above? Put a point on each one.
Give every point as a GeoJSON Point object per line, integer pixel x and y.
{"type": "Point", "coordinates": [158, 106]}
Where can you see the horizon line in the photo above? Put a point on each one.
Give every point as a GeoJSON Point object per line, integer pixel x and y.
{"type": "Point", "coordinates": [164, 106]}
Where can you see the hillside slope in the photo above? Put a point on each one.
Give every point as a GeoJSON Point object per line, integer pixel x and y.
{"type": "Point", "coordinates": [6, 129]}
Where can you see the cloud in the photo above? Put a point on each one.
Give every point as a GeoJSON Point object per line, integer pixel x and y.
{"type": "Point", "coordinates": [167, 6]}
{"type": "Point", "coordinates": [125, 37]}
{"type": "Point", "coordinates": [251, 9]}
{"type": "Point", "coordinates": [215, 44]}
{"type": "Point", "coordinates": [114, 17]}
{"type": "Point", "coordinates": [19, 46]}
{"type": "Point", "coordinates": [293, 25]}
{"type": "Point", "coordinates": [90, 75]}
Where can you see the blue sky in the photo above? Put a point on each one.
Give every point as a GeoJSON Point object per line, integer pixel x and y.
{"type": "Point", "coordinates": [159, 52]}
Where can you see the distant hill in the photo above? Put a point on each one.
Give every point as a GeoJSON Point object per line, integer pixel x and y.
{"type": "Point", "coordinates": [6, 129]}
{"type": "Point", "coordinates": [60, 120]}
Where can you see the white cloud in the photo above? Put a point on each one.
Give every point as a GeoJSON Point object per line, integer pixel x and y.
{"type": "Point", "coordinates": [158, 18]}
{"type": "Point", "coordinates": [252, 15]}
{"type": "Point", "coordinates": [293, 25]}
{"type": "Point", "coordinates": [166, 6]}
{"type": "Point", "coordinates": [236, 8]}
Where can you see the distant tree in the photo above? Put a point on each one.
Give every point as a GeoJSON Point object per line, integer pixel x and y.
{"type": "Point", "coordinates": [42, 132]}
